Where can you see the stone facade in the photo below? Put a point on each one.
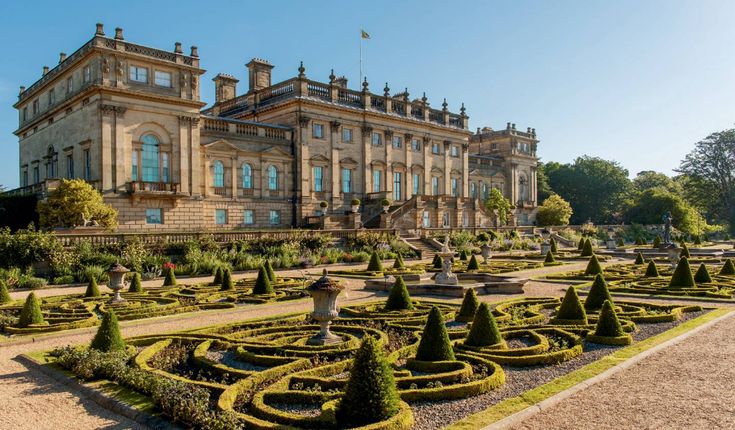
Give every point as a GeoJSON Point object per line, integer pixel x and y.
{"type": "Point", "coordinates": [129, 120]}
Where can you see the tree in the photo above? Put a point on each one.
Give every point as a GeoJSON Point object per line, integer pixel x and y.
{"type": "Point", "coordinates": [682, 276]}
{"type": "Point", "coordinates": [31, 312]}
{"type": "Point", "coordinates": [435, 344]}
{"type": "Point", "coordinates": [542, 183]}
{"type": "Point", "coordinates": [648, 179]}
{"type": "Point", "coordinates": [262, 283]}
{"type": "Point", "coordinates": [108, 337]}
{"type": "Point", "coordinates": [496, 202]}
{"type": "Point", "coordinates": [72, 202]}
{"type": "Point", "coordinates": [398, 299]}
{"type": "Point", "coordinates": [469, 306]}
{"type": "Point", "coordinates": [554, 211]}
{"type": "Point", "coordinates": [598, 294]}
{"type": "Point", "coordinates": [571, 309]}
{"type": "Point", "coordinates": [92, 289]}
{"type": "Point", "coordinates": [649, 206]}
{"type": "Point", "coordinates": [710, 176]}
{"type": "Point", "coordinates": [375, 264]}
{"type": "Point", "coordinates": [484, 330]}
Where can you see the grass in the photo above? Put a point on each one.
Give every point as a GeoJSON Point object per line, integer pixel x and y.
{"type": "Point", "coordinates": [516, 404]}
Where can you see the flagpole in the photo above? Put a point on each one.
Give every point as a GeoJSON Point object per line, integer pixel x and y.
{"type": "Point", "coordinates": [360, 81]}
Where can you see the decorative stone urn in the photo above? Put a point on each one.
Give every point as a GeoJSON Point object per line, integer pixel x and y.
{"type": "Point", "coordinates": [673, 253]}
{"type": "Point", "coordinates": [446, 277]}
{"type": "Point", "coordinates": [117, 272]}
{"type": "Point", "coordinates": [355, 208]}
{"type": "Point", "coordinates": [324, 206]}
{"type": "Point", "coordinates": [485, 250]}
{"type": "Point", "coordinates": [324, 292]}
{"type": "Point", "coordinates": [546, 244]}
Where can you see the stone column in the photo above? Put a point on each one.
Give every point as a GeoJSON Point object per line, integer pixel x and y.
{"type": "Point", "coordinates": [182, 170]}
{"type": "Point", "coordinates": [107, 113]}
{"type": "Point", "coordinates": [426, 153]}
{"type": "Point", "coordinates": [367, 151]}
{"type": "Point", "coordinates": [233, 177]}
{"type": "Point", "coordinates": [194, 159]}
{"type": "Point", "coordinates": [409, 161]}
{"type": "Point", "coordinates": [447, 168]}
{"type": "Point", "coordinates": [334, 173]}
{"type": "Point", "coordinates": [388, 143]}
{"type": "Point", "coordinates": [119, 161]}
{"type": "Point", "coordinates": [205, 175]}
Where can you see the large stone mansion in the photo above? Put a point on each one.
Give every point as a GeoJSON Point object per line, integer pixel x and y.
{"type": "Point", "coordinates": [129, 119]}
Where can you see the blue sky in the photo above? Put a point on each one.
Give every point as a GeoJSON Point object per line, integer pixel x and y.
{"type": "Point", "coordinates": [635, 81]}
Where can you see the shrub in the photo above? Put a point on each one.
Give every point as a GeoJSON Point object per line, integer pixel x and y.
{"type": "Point", "coordinates": [684, 251]}
{"type": "Point", "coordinates": [651, 270]}
{"type": "Point", "coordinates": [621, 242]}
{"type": "Point", "coordinates": [96, 271]}
{"type": "Point", "coordinates": [398, 262]}
{"type": "Point", "coordinates": [554, 211]}
{"type": "Point", "coordinates": [170, 279]}
{"type": "Point", "coordinates": [227, 284]}
{"type": "Point", "coordinates": [31, 312]}
{"type": "Point", "coordinates": [702, 274]}
{"type": "Point", "coordinates": [587, 249]}
{"type": "Point", "coordinates": [385, 202]}
{"type": "Point", "coordinates": [473, 264]}
{"type": "Point", "coordinates": [269, 271]}
{"type": "Point", "coordinates": [323, 204]}
{"type": "Point", "coordinates": [639, 259]}
{"type": "Point", "coordinates": [728, 268]}
{"type": "Point", "coordinates": [571, 307]}
{"type": "Point", "coordinates": [484, 330]}
{"type": "Point", "coordinates": [639, 240]}
{"type": "Point", "coordinates": [580, 245]}
{"type": "Point", "coordinates": [435, 345]}
{"type": "Point", "coordinates": [469, 306]}
{"type": "Point", "coordinates": [483, 237]}
{"type": "Point", "coordinates": [92, 289]}
{"type": "Point", "coordinates": [262, 284]}
{"type": "Point", "coordinates": [63, 279]}
{"type": "Point", "coordinates": [72, 200]}
{"type": "Point", "coordinates": [608, 324]}
{"type": "Point", "coordinates": [355, 202]}
{"type": "Point", "coordinates": [31, 282]}
{"type": "Point", "coordinates": [682, 277]}
{"type": "Point", "coordinates": [399, 299]}
{"type": "Point", "coordinates": [657, 241]}
{"type": "Point", "coordinates": [135, 284]}
{"type": "Point", "coordinates": [553, 245]}
{"type": "Point", "coordinates": [217, 276]}
{"type": "Point", "coordinates": [436, 262]}
{"type": "Point", "coordinates": [108, 337]}
{"type": "Point", "coordinates": [375, 264]}
{"type": "Point", "coordinates": [4, 294]}
{"type": "Point", "coordinates": [593, 267]}
{"type": "Point", "coordinates": [549, 257]}
{"type": "Point", "coordinates": [370, 394]}
{"type": "Point", "coordinates": [598, 294]}
{"type": "Point", "coordinates": [463, 255]}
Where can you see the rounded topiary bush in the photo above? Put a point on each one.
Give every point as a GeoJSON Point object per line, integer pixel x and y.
{"type": "Point", "coordinates": [571, 310]}
{"type": "Point", "coordinates": [473, 264]}
{"type": "Point", "coordinates": [728, 268]}
{"type": "Point", "coordinates": [639, 259]}
{"type": "Point", "coordinates": [269, 271]}
{"type": "Point", "coordinates": [469, 306]}
{"type": "Point", "coordinates": [135, 284]}
{"type": "Point", "coordinates": [598, 294]}
{"type": "Point", "coordinates": [92, 289]}
{"type": "Point", "coordinates": [549, 257]}
{"type": "Point", "coordinates": [217, 276]}
{"type": "Point", "coordinates": [170, 279]}
{"type": "Point", "coordinates": [651, 270]}
{"type": "Point", "coordinates": [31, 312]}
{"type": "Point", "coordinates": [682, 277]}
{"type": "Point", "coordinates": [484, 330]}
{"type": "Point", "coordinates": [398, 262]}
{"type": "Point", "coordinates": [587, 249]}
{"type": "Point", "coordinates": [436, 262]}
{"type": "Point", "coordinates": [398, 299]}
{"type": "Point", "coordinates": [262, 283]}
{"type": "Point", "coordinates": [370, 395]}
{"type": "Point", "coordinates": [227, 283]}
{"type": "Point", "coordinates": [435, 345]}
{"type": "Point", "coordinates": [702, 275]}
{"type": "Point", "coordinates": [375, 264]}
{"type": "Point", "coordinates": [108, 337]}
{"type": "Point", "coordinates": [4, 294]}
{"type": "Point", "coordinates": [553, 245]}
{"type": "Point", "coordinates": [593, 266]}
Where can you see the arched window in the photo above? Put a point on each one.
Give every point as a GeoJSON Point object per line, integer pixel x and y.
{"type": "Point", "coordinates": [219, 174]}
{"type": "Point", "coordinates": [247, 176]}
{"type": "Point", "coordinates": [150, 159]}
{"type": "Point", "coordinates": [272, 178]}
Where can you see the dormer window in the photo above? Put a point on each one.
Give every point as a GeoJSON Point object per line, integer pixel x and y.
{"type": "Point", "coordinates": [139, 74]}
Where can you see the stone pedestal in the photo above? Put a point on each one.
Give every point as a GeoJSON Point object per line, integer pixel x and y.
{"type": "Point", "coordinates": [545, 248]}
{"type": "Point", "coordinates": [324, 292]}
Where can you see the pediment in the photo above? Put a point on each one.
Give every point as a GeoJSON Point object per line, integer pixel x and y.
{"type": "Point", "coordinates": [436, 170]}
{"type": "Point", "coordinates": [319, 159]}
{"type": "Point", "coordinates": [220, 145]}
{"type": "Point", "coordinates": [275, 152]}
{"type": "Point", "coordinates": [348, 162]}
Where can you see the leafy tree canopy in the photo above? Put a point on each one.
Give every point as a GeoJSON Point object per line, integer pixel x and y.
{"type": "Point", "coordinates": [554, 211]}
{"type": "Point", "coordinates": [650, 205]}
{"type": "Point", "coordinates": [71, 202]}
{"type": "Point", "coordinates": [496, 202]}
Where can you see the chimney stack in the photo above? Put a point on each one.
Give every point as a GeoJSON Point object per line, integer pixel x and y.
{"type": "Point", "coordinates": [22, 90]}
{"type": "Point", "coordinates": [259, 74]}
{"type": "Point", "coordinates": [225, 87]}
{"type": "Point", "coordinates": [177, 48]}
{"type": "Point", "coordinates": [45, 70]}
{"type": "Point", "coordinates": [119, 34]}
{"type": "Point", "coordinates": [194, 51]}
{"type": "Point", "coordinates": [100, 30]}
{"type": "Point", "coordinates": [62, 57]}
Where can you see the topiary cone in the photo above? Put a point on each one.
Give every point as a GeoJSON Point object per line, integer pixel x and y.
{"type": "Point", "coordinates": [92, 288]}
{"type": "Point", "coordinates": [435, 345]}
{"type": "Point", "coordinates": [639, 259]}
{"type": "Point", "coordinates": [4, 294]}
{"type": "Point", "coordinates": [469, 306]}
{"type": "Point", "coordinates": [484, 330]}
{"type": "Point", "coordinates": [608, 324]}
{"type": "Point", "coordinates": [473, 264]}
{"type": "Point", "coordinates": [31, 312]}
{"type": "Point", "coordinates": [398, 262]}
{"type": "Point", "coordinates": [170, 279]}
{"type": "Point", "coordinates": [571, 309]}
{"type": "Point", "coordinates": [552, 244]}
{"type": "Point", "coordinates": [702, 275]}
{"type": "Point", "coordinates": [684, 252]}
{"type": "Point", "coordinates": [398, 299]}
{"type": "Point", "coordinates": [682, 277]}
{"type": "Point", "coordinates": [728, 268]}
{"type": "Point", "coordinates": [657, 241]}
{"type": "Point", "coordinates": [375, 265]}
{"type": "Point", "coordinates": [108, 337]}
{"type": "Point", "coordinates": [580, 245]}
{"type": "Point", "coordinates": [370, 395]}
{"type": "Point", "coordinates": [598, 294]}
{"type": "Point", "coordinates": [651, 270]}
{"type": "Point", "coordinates": [269, 270]}
{"type": "Point", "coordinates": [135, 284]}
{"type": "Point", "coordinates": [593, 266]}
{"type": "Point", "coordinates": [437, 262]}
{"type": "Point", "coordinates": [549, 257]}
{"type": "Point", "coordinates": [227, 284]}
{"type": "Point", "coordinates": [463, 255]}
{"type": "Point", "coordinates": [217, 276]}
{"type": "Point", "coordinates": [587, 249]}
{"type": "Point", "coordinates": [262, 284]}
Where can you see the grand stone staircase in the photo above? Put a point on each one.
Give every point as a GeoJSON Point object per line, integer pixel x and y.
{"type": "Point", "coordinates": [427, 248]}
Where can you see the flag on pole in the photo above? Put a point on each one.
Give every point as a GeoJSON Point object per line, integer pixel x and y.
{"type": "Point", "coordinates": [364, 34]}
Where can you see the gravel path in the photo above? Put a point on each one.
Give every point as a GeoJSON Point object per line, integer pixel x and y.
{"type": "Point", "coordinates": [666, 390]}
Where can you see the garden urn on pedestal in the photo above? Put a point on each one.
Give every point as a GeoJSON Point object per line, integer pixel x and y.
{"type": "Point", "coordinates": [324, 292]}
{"type": "Point", "coordinates": [355, 205]}
{"type": "Point", "coordinates": [117, 272]}
{"type": "Point", "coordinates": [446, 277]}
{"type": "Point", "coordinates": [546, 244]}
{"type": "Point", "coordinates": [485, 250]}
{"type": "Point", "coordinates": [610, 243]}
{"type": "Point", "coordinates": [673, 252]}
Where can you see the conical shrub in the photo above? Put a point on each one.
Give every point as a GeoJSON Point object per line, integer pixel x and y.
{"type": "Point", "coordinates": [593, 266]}
{"type": "Point", "coordinates": [398, 262]}
{"type": "Point", "coordinates": [580, 245]}
{"type": "Point", "coordinates": [135, 284]}
{"type": "Point", "coordinates": [4, 294]}
{"type": "Point", "coordinates": [549, 257]}
{"type": "Point", "coordinates": [463, 255]}
{"type": "Point", "coordinates": [657, 241]}
{"type": "Point", "coordinates": [436, 262]}
{"type": "Point", "coordinates": [435, 345]}
{"type": "Point", "coordinates": [217, 276]}
{"type": "Point", "coordinates": [375, 265]}
{"type": "Point", "coordinates": [598, 294]}
{"type": "Point", "coordinates": [702, 275]}
{"type": "Point", "coordinates": [469, 306]}
{"type": "Point", "coordinates": [108, 337]}
{"type": "Point", "coordinates": [620, 242]}
{"type": "Point", "coordinates": [31, 312]}
{"type": "Point", "coordinates": [227, 283]}
{"type": "Point", "coordinates": [473, 264]}
{"type": "Point", "coordinates": [399, 299]}
{"type": "Point", "coordinates": [370, 395]}
{"type": "Point", "coordinates": [262, 284]}
{"type": "Point", "coordinates": [484, 330]}
{"type": "Point", "coordinates": [651, 270]}
{"type": "Point", "coordinates": [587, 249]}
{"type": "Point", "coordinates": [92, 289]}
{"type": "Point", "coordinates": [728, 268]}
{"type": "Point", "coordinates": [682, 277]}
{"type": "Point", "coordinates": [684, 252]}
{"type": "Point", "coordinates": [571, 309]}
{"type": "Point", "coordinates": [269, 270]}
{"type": "Point", "coordinates": [170, 279]}
{"type": "Point", "coordinates": [639, 241]}
{"type": "Point", "coordinates": [639, 259]}
{"type": "Point", "coordinates": [554, 247]}
{"type": "Point", "coordinates": [608, 324]}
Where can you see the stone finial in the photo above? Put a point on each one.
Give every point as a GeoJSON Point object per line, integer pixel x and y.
{"type": "Point", "coordinates": [119, 34]}
{"type": "Point", "coordinates": [405, 94]}
{"type": "Point", "coordinates": [100, 29]}
{"type": "Point", "coordinates": [194, 51]}
{"type": "Point", "coordinates": [528, 130]}
{"type": "Point", "coordinates": [302, 69]}
{"type": "Point", "coordinates": [445, 104]}
{"type": "Point", "coordinates": [478, 130]}
{"type": "Point", "coordinates": [177, 48]}
{"type": "Point", "coordinates": [62, 57]}
{"type": "Point", "coordinates": [513, 126]}
{"type": "Point", "coordinates": [386, 90]}
{"type": "Point", "coordinates": [462, 110]}
{"type": "Point", "coordinates": [22, 90]}
{"type": "Point", "coordinates": [423, 98]}
{"type": "Point", "coordinates": [533, 131]}
{"type": "Point", "coordinates": [507, 126]}
{"type": "Point", "coordinates": [365, 84]}
{"type": "Point", "coordinates": [332, 77]}
{"type": "Point", "coordinates": [45, 70]}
